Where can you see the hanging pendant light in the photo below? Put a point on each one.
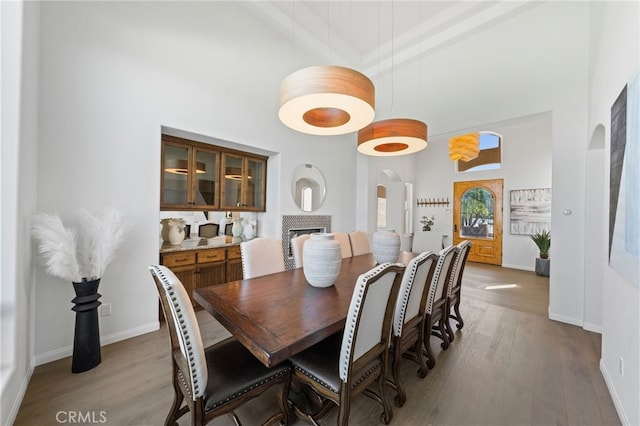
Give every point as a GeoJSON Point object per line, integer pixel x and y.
{"type": "Point", "coordinates": [464, 147]}
{"type": "Point", "coordinates": [326, 100]}
{"type": "Point", "coordinates": [397, 136]}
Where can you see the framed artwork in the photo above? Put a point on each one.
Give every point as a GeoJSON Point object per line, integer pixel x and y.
{"type": "Point", "coordinates": [530, 211]}
{"type": "Point", "coordinates": [624, 183]}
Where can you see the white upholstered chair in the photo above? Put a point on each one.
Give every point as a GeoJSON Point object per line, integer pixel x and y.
{"type": "Point", "coordinates": [345, 244]}
{"type": "Point", "coordinates": [261, 256]}
{"type": "Point", "coordinates": [297, 244]}
{"type": "Point", "coordinates": [346, 364]}
{"type": "Point", "coordinates": [409, 316]}
{"type": "Point", "coordinates": [436, 309]}
{"type": "Point", "coordinates": [216, 380]}
{"type": "Point", "coordinates": [455, 287]}
{"type": "Point", "coordinates": [359, 243]}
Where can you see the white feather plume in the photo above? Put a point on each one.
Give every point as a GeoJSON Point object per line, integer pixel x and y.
{"type": "Point", "coordinates": [57, 245]}
{"type": "Point", "coordinates": [86, 259]}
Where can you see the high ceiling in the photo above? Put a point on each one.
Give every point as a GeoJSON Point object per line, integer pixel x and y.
{"type": "Point", "coordinates": [375, 36]}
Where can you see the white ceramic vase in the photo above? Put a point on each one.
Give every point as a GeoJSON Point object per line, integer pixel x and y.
{"type": "Point", "coordinates": [385, 245]}
{"type": "Point", "coordinates": [176, 232]}
{"type": "Point", "coordinates": [249, 230]}
{"type": "Point", "coordinates": [236, 229]}
{"type": "Point", "coordinates": [321, 259]}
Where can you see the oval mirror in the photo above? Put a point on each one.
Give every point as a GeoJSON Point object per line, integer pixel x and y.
{"type": "Point", "coordinates": [307, 187]}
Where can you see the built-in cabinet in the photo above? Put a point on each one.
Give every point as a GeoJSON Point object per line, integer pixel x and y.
{"type": "Point", "coordinates": [204, 267]}
{"type": "Point", "coordinates": [199, 176]}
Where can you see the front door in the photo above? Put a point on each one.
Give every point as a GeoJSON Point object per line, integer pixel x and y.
{"type": "Point", "coordinates": [477, 216]}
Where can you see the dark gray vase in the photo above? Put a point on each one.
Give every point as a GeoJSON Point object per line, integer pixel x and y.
{"type": "Point", "coordinates": [86, 340]}
{"type": "Point", "coordinates": [542, 267]}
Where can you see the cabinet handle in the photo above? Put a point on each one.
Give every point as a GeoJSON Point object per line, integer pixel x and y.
{"type": "Point", "coordinates": [184, 259]}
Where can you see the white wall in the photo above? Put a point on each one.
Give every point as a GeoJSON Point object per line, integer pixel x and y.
{"type": "Point", "coordinates": [19, 138]}
{"type": "Point", "coordinates": [615, 59]}
{"type": "Point", "coordinates": [526, 163]}
{"type": "Point", "coordinates": [113, 74]}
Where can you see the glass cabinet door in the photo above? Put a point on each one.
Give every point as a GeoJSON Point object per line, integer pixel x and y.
{"type": "Point", "coordinates": [232, 181]}
{"type": "Point", "coordinates": [205, 179]}
{"type": "Point", "coordinates": [175, 180]}
{"type": "Point", "coordinates": [255, 184]}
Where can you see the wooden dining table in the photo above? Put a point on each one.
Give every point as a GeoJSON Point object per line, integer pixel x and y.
{"type": "Point", "coordinates": [279, 315]}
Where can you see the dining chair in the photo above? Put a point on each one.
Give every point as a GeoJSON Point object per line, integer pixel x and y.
{"type": "Point", "coordinates": [216, 380]}
{"type": "Point", "coordinates": [455, 287]}
{"type": "Point", "coordinates": [409, 319]}
{"type": "Point", "coordinates": [359, 243]}
{"type": "Point", "coordinates": [345, 245]}
{"type": "Point", "coordinates": [297, 244]}
{"type": "Point", "coordinates": [436, 309]}
{"type": "Point", "coordinates": [261, 256]}
{"type": "Point", "coordinates": [348, 363]}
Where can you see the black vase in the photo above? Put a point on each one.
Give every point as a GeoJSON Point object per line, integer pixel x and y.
{"type": "Point", "coordinates": [86, 340]}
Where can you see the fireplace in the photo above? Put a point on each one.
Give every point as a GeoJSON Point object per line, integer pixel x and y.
{"type": "Point", "coordinates": [294, 225]}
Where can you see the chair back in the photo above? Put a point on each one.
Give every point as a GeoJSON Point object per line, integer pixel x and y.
{"type": "Point", "coordinates": [183, 327]}
{"type": "Point", "coordinates": [458, 265]}
{"type": "Point", "coordinates": [359, 243]}
{"type": "Point", "coordinates": [261, 256]}
{"type": "Point", "coordinates": [297, 244]}
{"type": "Point", "coordinates": [412, 297]}
{"type": "Point", "coordinates": [438, 287]}
{"type": "Point", "coordinates": [368, 324]}
{"type": "Point", "coordinates": [345, 244]}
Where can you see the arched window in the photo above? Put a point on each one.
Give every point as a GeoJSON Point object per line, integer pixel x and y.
{"type": "Point", "coordinates": [490, 157]}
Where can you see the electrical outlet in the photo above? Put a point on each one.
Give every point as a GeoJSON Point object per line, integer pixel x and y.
{"type": "Point", "coordinates": [621, 366]}
{"type": "Point", "coordinates": [105, 309]}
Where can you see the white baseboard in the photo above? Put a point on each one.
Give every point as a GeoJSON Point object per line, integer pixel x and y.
{"type": "Point", "coordinates": [596, 328]}
{"type": "Point", "coordinates": [614, 395]}
{"type": "Point", "coordinates": [105, 340]}
{"type": "Point", "coordinates": [20, 395]}
{"type": "Point", "coordinates": [565, 319]}
{"type": "Point", "coordinates": [520, 267]}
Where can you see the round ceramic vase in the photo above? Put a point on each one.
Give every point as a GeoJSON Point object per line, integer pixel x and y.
{"type": "Point", "coordinates": [236, 229]}
{"type": "Point", "coordinates": [321, 259]}
{"type": "Point", "coordinates": [385, 245]}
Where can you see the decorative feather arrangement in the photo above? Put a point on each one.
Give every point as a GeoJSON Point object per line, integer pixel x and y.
{"type": "Point", "coordinates": [79, 255]}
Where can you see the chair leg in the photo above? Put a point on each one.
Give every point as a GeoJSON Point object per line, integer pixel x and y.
{"type": "Point", "coordinates": [448, 323]}
{"type": "Point", "coordinates": [345, 408]}
{"type": "Point", "coordinates": [283, 400]}
{"type": "Point", "coordinates": [401, 396]}
{"type": "Point", "coordinates": [174, 412]}
{"type": "Point", "coordinates": [387, 414]}
{"type": "Point", "coordinates": [431, 359]}
{"type": "Point", "coordinates": [443, 331]}
{"type": "Point", "coordinates": [458, 317]}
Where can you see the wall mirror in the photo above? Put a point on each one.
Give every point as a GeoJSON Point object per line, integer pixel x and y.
{"type": "Point", "coordinates": [307, 187]}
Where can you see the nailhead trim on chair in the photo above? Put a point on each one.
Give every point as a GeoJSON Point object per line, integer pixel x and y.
{"type": "Point", "coordinates": [331, 388]}
{"type": "Point", "coordinates": [168, 286]}
{"type": "Point", "coordinates": [463, 246]}
{"type": "Point", "coordinates": [247, 389]}
{"type": "Point", "coordinates": [360, 286]}
{"type": "Point", "coordinates": [397, 329]}
{"type": "Point", "coordinates": [436, 276]}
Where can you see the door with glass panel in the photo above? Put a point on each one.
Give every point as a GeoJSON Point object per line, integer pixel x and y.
{"type": "Point", "coordinates": [477, 216]}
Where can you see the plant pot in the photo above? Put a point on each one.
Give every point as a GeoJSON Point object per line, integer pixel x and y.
{"type": "Point", "coordinates": [86, 339]}
{"type": "Point", "coordinates": [385, 246]}
{"type": "Point", "coordinates": [542, 267]}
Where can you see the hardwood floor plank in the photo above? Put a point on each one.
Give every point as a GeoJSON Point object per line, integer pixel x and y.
{"type": "Point", "coordinates": [509, 365]}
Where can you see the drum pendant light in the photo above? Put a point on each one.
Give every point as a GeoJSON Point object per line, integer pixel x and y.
{"type": "Point", "coordinates": [397, 136]}
{"type": "Point", "coordinates": [327, 100]}
{"type": "Point", "coordinates": [464, 147]}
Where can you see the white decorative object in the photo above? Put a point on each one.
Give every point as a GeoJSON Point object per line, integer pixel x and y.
{"type": "Point", "coordinates": [249, 229]}
{"type": "Point", "coordinates": [321, 260]}
{"type": "Point", "coordinates": [236, 229]}
{"type": "Point", "coordinates": [385, 245]}
{"type": "Point", "coordinates": [223, 224]}
{"type": "Point", "coordinates": [176, 232]}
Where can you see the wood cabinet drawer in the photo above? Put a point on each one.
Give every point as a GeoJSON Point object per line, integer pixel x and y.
{"type": "Point", "coordinates": [179, 259]}
{"type": "Point", "coordinates": [233, 252]}
{"type": "Point", "coordinates": [215, 255]}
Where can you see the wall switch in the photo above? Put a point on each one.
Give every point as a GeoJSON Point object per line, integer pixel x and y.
{"type": "Point", "coordinates": [621, 366]}
{"type": "Point", "coordinates": [105, 309]}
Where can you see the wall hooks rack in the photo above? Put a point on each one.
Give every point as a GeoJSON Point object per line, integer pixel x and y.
{"type": "Point", "coordinates": [424, 202]}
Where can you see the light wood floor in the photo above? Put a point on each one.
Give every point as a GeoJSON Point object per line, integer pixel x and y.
{"type": "Point", "coordinates": [510, 365]}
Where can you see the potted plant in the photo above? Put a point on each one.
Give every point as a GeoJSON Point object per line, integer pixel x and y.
{"type": "Point", "coordinates": [427, 223]}
{"type": "Point", "coordinates": [542, 239]}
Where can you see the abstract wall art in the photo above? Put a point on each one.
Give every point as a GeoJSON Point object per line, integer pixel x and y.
{"type": "Point", "coordinates": [624, 183]}
{"type": "Point", "coordinates": [530, 211]}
